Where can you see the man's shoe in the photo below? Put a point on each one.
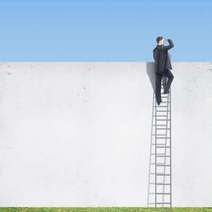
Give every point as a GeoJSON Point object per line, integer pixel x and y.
{"type": "Point", "coordinates": [166, 91]}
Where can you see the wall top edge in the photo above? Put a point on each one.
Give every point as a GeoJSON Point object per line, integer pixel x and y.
{"type": "Point", "coordinates": [111, 62]}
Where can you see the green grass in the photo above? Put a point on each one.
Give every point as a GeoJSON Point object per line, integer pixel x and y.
{"type": "Point", "coordinates": [105, 209]}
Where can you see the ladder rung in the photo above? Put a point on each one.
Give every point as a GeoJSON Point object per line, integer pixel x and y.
{"type": "Point", "coordinates": [165, 203]}
{"type": "Point", "coordinates": [164, 101]}
{"type": "Point", "coordinates": [159, 144]}
{"type": "Point", "coordinates": [161, 155]}
{"type": "Point", "coordinates": [163, 128]}
{"type": "Point", "coordinates": [160, 115]}
{"type": "Point", "coordinates": [160, 183]}
{"type": "Point", "coordinates": [158, 164]}
{"type": "Point", "coordinates": [164, 94]}
{"type": "Point", "coordinates": [163, 137]}
{"type": "Point", "coordinates": [165, 115]}
{"type": "Point", "coordinates": [160, 137]}
{"type": "Point", "coordinates": [162, 110]}
{"type": "Point", "coordinates": [162, 119]}
{"type": "Point", "coordinates": [160, 174]}
{"type": "Point", "coordinates": [161, 193]}
{"type": "Point", "coordinates": [160, 125]}
{"type": "Point", "coordinates": [159, 134]}
{"type": "Point", "coordinates": [162, 146]}
{"type": "Point", "coordinates": [162, 105]}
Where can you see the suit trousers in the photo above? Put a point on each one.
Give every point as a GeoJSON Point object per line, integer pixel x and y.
{"type": "Point", "coordinates": [167, 73]}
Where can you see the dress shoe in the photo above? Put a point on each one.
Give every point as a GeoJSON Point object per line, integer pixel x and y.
{"type": "Point", "coordinates": [166, 91]}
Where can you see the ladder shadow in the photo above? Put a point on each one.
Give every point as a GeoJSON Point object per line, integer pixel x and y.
{"type": "Point", "coordinates": [150, 70]}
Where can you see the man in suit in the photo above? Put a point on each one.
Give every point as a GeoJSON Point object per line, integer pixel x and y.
{"type": "Point", "coordinates": [162, 66]}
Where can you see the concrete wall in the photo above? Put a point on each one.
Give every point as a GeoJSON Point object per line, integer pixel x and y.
{"type": "Point", "coordinates": [78, 133]}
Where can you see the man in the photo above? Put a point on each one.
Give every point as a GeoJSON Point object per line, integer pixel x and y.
{"type": "Point", "coordinates": [162, 66]}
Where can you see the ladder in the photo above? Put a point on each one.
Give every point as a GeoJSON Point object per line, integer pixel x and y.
{"type": "Point", "coordinates": [160, 173]}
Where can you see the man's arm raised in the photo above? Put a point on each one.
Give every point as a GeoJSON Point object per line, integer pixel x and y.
{"type": "Point", "coordinates": [171, 44]}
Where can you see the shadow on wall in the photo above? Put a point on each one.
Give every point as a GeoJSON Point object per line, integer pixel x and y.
{"type": "Point", "coordinates": [151, 74]}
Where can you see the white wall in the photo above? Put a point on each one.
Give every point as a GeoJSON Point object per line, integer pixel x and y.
{"type": "Point", "coordinates": [78, 133]}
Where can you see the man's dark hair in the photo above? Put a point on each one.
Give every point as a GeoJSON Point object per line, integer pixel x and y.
{"type": "Point", "coordinates": [159, 38]}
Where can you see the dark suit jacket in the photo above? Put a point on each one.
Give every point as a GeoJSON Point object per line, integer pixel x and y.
{"type": "Point", "coordinates": [162, 58]}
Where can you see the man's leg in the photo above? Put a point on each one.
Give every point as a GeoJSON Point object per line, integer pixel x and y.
{"type": "Point", "coordinates": [170, 76]}
{"type": "Point", "coordinates": [158, 88]}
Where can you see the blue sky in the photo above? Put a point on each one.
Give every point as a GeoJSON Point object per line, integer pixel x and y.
{"type": "Point", "coordinates": [103, 30]}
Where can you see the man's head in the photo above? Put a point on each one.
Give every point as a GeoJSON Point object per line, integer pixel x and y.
{"type": "Point", "coordinates": [160, 40]}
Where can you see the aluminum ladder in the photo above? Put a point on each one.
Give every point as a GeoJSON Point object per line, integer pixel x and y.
{"type": "Point", "coordinates": [160, 161]}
